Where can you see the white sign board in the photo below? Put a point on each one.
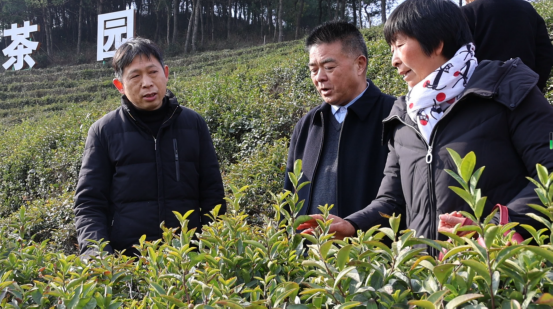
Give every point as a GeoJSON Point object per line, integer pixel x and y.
{"type": "Point", "coordinates": [113, 30]}
{"type": "Point", "coordinates": [20, 48]}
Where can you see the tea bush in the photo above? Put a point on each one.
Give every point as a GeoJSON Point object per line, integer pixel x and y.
{"type": "Point", "coordinates": [237, 265]}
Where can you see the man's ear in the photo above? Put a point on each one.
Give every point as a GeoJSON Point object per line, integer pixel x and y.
{"type": "Point", "coordinates": [166, 71]}
{"type": "Point", "coordinates": [119, 85]}
{"type": "Point", "coordinates": [361, 63]}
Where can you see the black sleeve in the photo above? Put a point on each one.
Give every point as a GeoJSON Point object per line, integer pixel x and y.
{"type": "Point", "coordinates": [291, 158]}
{"type": "Point", "coordinates": [212, 192]}
{"type": "Point", "coordinates": [389, 199]}
{"type": "Point", "coordinates": [530, 124]}
{"type": "Point", "coordinates": [544, 53]}
{"type": "Point", "coordinates": [92, 193]}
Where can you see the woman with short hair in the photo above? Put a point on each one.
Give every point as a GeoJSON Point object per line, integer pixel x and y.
{"type": "Point", "coordinates": [492, 108]}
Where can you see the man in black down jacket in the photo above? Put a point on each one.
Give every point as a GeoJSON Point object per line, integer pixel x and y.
{"type": "Point", "coordinates": [505, 29]}
{"type": "Point", "coordinates": [339, 141]}
{"type": "Point", "coordinates": [144, 160]}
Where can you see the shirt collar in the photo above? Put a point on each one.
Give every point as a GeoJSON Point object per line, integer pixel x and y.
{"type": "Point", "coordinates": [335, 108]}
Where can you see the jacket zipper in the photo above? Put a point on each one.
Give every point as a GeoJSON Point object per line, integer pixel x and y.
{"type": "Point", "coordinates": [316, 165]}
{"type": "Point", "coordinates": [176, 158]}
{"type": "Point", "coordinates": [428, 160]}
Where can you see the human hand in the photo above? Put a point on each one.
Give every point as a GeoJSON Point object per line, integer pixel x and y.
{"type": "Point", "coordinates": [449, 221]}
{"type": "Point", "coordinates": [342, 228]}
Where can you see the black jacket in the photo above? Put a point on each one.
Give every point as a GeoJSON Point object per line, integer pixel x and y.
{"type": "Point", "coordinates": [130, 181]}
{"type": "Point", "coordinates": [505, 29]}
{"type": "Point", "coordinates": [502, 117]}
{"type": "Point", "coordinates": [361, 156]}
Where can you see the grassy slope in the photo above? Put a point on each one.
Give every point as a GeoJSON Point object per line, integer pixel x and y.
{"type": "Point", "coordinates": [250, 98]}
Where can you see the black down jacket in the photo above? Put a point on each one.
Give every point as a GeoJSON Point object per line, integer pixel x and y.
{"type": "Point", "coordinates": [130, 181]}
{"type": "Point", "coordinates": [502, 116]}
{"type": "Point", "coordinates": [361, 156]}
{"type": "Point", "coordinates": [505, 29]}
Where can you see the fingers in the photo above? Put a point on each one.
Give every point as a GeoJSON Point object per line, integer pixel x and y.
{"type": "Point", "coordinates": [310, 223]}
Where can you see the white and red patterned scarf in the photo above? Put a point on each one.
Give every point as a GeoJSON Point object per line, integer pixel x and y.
{"type": "Point", "coordinates": [427, 100]}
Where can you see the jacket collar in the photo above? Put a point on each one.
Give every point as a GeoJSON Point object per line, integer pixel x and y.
{"type": "Point", "coordinates": [173, 103]}
{"type": "Point", "coordinates": [361, 108]}
{"type": "Point", "coordinates": [508, 83]}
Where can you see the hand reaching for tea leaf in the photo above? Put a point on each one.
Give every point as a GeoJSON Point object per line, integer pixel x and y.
{"type": "Point", "coordinates": [341, 227]}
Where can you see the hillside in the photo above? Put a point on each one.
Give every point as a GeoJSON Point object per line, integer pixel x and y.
{"type": "Point", "coordinates": [250, 98]}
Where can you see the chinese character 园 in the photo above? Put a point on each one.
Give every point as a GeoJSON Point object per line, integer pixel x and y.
{"type": "Point", "coordinates": [20, 48]}
{"type": "Point", "coordinates": [111, 28]}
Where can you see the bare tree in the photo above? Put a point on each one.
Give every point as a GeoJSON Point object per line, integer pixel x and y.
{"type": "Point", "coordinates": [229, 9]}
{"type": "Point", "coordinates": [280, 33]}
{"type": "Point", "coordinates": [298, 19]}
{"type": "Point", "coordinates": [196, 18]}
{"type": "Point", "coordinates": [175, 17]}
{"type": "Point", "coordinates": [189, 29]}
{"type": "Point", "coordinates": [79, 31]}
{"type": "Point", "coordinates": [383, 10]}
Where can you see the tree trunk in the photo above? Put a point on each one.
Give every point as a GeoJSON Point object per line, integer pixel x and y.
{"type": "Point", "coordinates": [80, 28]}
{"type": "Point", "coordinates": [360, 14]}
{"type": "Point", "coordinates": [280, 33]}
{"type": "Point", "coordinates": [298, 19]}
{"type": "Point", "coordinates": [196, 18]}
{"type": "Point", "coordinates": [168, 10]}
{"type": "Point", "coordinates": [189, 29]}
{"type": "Point", "coordinates": [320, 11]}
{"type": "Point", "coordinates": [228, 18]}
{"type": "Point", "coordinates": [175, 17]}
{"type": "Point", "coordinates": [212, 23]}
{"type": "Point", "coordinates": [202, 25]}
{"type": "Point", "coordinates": [383, 10]}
{"type": "Point", "coordinates": [48, 30]}
{"type": "Point", "coordinates": [100, 4]}
{"type": "Point", "coordinates": [354, 11]}
{"type": "Point", "coordinates": [156, 35]}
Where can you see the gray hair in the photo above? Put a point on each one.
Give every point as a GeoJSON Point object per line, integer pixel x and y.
{"type": "Point", "coordinates": [132, 48]}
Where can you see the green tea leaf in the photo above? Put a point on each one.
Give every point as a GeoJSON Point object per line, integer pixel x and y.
{"type": "Point", "coordinates": [542, 175]}
{"type": "Point", "coordinates": [342, 274]}
{"type": "Point", "coordinates": [504, 254]}
{"type": "Point", "coordinates": [437, 296]}
{"type": "Point", "coordinates": [545, 299]}
{"type": "Point", "coordinates": [325, 248]}
{"type": "Point", "coordinates": [458, 178]}
{"type": "Point", "coordinates": [459, 300]}
{"type": "Point", "coordinates": [301, 219]}
{"type": "Point", "coordinates": [348, 305]}
{"type": "Point", "coordinates": [480, 269]}
{"type": "Point", "coordinates": [467, 166]}
{"type": "Point", "coordinates": [455, 250]}
{"type": "Point", "coordinates": [490, 234]}
{"type": "Point", "coordinates": [343, 256]}
{"type": "Point", "coordinates": [456, 158]}
{"type": "Point", "coordinates": [464, 195]}
{"type": "Point", "coordinates": [442, 272]}
{"type": "Point", "coordinates": [422, 304]}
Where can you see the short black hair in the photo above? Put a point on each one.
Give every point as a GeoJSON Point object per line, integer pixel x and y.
{"type": "Point", "coordinates": [132, 48]}
{"type": "Point", "coordinates": [430, 22]}
{"type": "Point", "coordinates": [333, 31]}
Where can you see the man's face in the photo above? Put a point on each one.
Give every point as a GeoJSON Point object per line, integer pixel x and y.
{"type": "Point", "coordinates": [144, 82]}
{"type": "Point", "coordinates": [338, 76]}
